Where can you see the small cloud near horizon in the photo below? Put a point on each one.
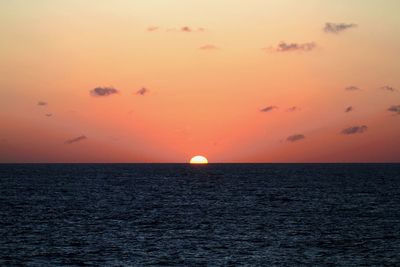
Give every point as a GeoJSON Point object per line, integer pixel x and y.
{"type": "Point", "coordinates": [349, 109]}
{"type": "Point", "coordinates": [388, 88]}
{"type": "Point", "coordinates": [142, 91]}
{"type": "Point", "coordinates": [209, 47]}
{"type": "Point", "coordinates": [184, 29]}
{"type": "Point", "coordinates": [394, 109]}
{"type": "Point", "coordinates": [75, 140]}
{"type": "Point", "coordinates": [189, 29]}
{"type": "Point", "coordinates": [268, 109]}
{"type": "Point", "coordinates": [354, 130]}
{"type": "Point", "coordinates": [337, 28]}
{"type": "Point", "coordinates": [352, 88]}
{"type": "Point", "coordinates": [295, 138]}
{"type": "Point", "coordinates": [152, 28]}
{"type": "Point", "coordinates": [103, 91]}
{"type": "Point", "coordinates": [289, 47]}
{"type": "Point", "coordinates": [293, 109]}
{"type": "Point", "coordinates": [42, 103]}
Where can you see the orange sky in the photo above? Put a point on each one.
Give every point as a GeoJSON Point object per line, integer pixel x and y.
{"type": "Point", "coordinates": [209, 68]}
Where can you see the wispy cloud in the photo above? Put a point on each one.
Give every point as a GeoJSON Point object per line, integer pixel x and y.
{"type": "Point", "coordinates": [293, 109]}
{"type": "Point", "coordinates": [337, 27]}
{"type": "Point", "coordinates": [76, 139]}
{"type": "Point", "coordinates": [268, 109]}
{"type": "Point", "coordinates": [295, 138]}
{"type": "Point", "coordinates": [394, 109]}
{"type": "Point", "coordinates": [142, 91]}
{"type": "Point", "coordinates": [42, 103]}
{"type": "Point", "coordinates": [186, 29]}
{"type": "Point", "coordinates": [352, 88]}
{"type": "Point", "coordinates": [208, 47]}
{"type": "Point", "coordinates": [190, 29]}
{"type": "Point", "coordinates": [48, 114]}
{"type": "Point", "coordinates": [103, 91]}
{"type": "Point", "coordinates": [289, 47]}
{"type": "Point", "coordinates": [388, 88]}
{"type": "Point", "coordinates": [183, 29]}
{"type": "Point", "coordinates": [153, 28]}
{"type": "Point", "coordinates": [354, 130]}
{"type": "Point", "coordinates": [348, 109]}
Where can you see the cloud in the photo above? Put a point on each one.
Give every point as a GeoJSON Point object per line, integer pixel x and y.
{"type": "Point", "coordinates": [293, 109]}
{"type": "Point", "coordinates": [142, 91]}
{"type": "Point", "coordinates": [189, 29]}
{"type": "Point", "coordinates": [348, 109]}
{"type": "Point", "coordinates": [48, 114]}
{"type": "Point", "coordinates": [153, 28]}
{"type": "Point", "coordinates": [103, 91]}
{"type": "Point", "coordinates": [208, 47]}
{"type": "Point", "coordinates": [352, 88]}
{"type": "Point", "coordinates": [42, 103]}
{"type": "Point", "coordinates": [337, 27]}
{"type": "Point", "coordinates": [76, 139]}
{"type": "Point", "coordinates": [388, 88]}
{"type": "Point", "coordinates": [295, 138]}
{"type": "Point", "coordinates": [354, 130]}
{"type": "Point", "coordinates": [268, 109]}
{"type": "Point", "coordinates": [289, 47]}
{"type": "Point", "coordinates": [394, 109]}
{"type": "Point", "coordinates": [186, 29]}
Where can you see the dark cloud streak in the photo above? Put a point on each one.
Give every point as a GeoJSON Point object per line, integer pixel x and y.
{"type": "Point", "coordinates": [349, 109]}
{"type": "Point", "coordinates": [394, 109]}
{"type": "Point", "coordinates": [354, 130]}
{"type": "Point", "coordinates": [142, 91]}
{"type": "Point", "coordinates": [337, 28]}
{"type": "Point", "coordinates": [289, 47]}
{"type": "Point", "coordinates": [75, 140]}
{"type": "Point", "coordinates": [42, 103]}
{"type": "Point", "coordinates": [295, 138]}
{"type": "Point", "coordinates": [103, 91]}
{"type": "Point", "coordinates": [268, 109]}
{"type": "Point", "coordinates": [352, 88]}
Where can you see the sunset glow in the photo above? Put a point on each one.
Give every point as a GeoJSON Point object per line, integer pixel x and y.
{"type": "Point", "coordinates": [240, 81]}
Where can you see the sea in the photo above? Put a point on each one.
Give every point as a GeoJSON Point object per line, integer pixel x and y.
{"type": "Point", "coordinates": [200, 215]}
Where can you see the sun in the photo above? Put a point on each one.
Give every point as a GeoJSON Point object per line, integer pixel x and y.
{"type": "Point", "coordinates": [198, 160]}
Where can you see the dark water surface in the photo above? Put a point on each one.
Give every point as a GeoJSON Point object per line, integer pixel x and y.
{"type": "Point", "coordinates": [215, 215]}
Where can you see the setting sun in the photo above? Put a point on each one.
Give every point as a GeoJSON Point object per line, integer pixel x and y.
{"type": "Point", "coordinates": [198, 160]}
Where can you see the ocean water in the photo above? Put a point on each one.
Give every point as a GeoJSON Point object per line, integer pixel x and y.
{"type": "Point", "coordinates": [212, 215]}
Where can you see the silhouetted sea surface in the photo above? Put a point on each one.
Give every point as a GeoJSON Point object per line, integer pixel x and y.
{"type": "Point", "coordinates": [213, 215]}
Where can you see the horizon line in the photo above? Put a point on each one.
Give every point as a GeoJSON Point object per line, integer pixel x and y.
{"type": "Point", "coordinates": [187, 163]}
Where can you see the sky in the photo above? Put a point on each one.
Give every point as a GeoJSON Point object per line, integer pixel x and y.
{"type": "Point", "coordinates": [233, 80]}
